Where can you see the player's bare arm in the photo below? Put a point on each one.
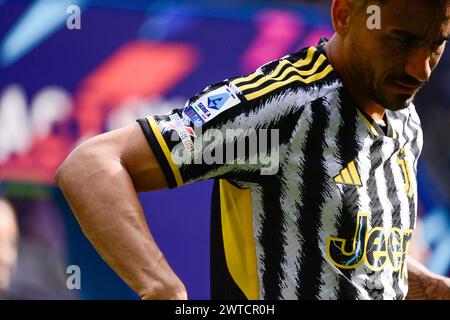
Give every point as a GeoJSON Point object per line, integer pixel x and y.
{"type": "Point", "coordinates": [100, 180]}
{"type": "Point", "coordinates": [426, 285]}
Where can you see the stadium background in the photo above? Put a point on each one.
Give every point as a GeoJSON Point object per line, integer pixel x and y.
{"type": "Point", "coordinates": [135, 58]}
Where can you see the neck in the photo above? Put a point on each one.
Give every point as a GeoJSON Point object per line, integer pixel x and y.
{"type": "Point", "coordinates": [334, 51]}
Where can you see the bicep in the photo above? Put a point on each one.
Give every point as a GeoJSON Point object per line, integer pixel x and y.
{"type": "Point", "coordinates": [131, 148]}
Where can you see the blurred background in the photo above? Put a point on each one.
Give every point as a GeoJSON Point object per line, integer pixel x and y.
{"type": "Point", "coordinates": [71, 69]}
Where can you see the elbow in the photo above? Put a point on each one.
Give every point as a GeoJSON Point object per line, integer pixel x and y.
{"type": "Point", "coordinates": [85, 166]}
{"type": "Point", "coordinates": [66, 169]}
{"type": "Point", "coordinates": [60, 173]}
{"type": "Point", "coordinates": [74, 167]}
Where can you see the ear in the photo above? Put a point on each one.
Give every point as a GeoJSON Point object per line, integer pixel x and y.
{"type": "Point", "coordinates": [341, 11]}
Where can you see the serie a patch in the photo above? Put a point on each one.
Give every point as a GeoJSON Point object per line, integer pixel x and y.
{"type": "Point", "coordinates": [211, 104]}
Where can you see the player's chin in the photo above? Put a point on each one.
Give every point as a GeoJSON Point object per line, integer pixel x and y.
{"type": "Point", "coordinates": [397, 101]}
{"type": "Point", "coordinates": [400, 103]}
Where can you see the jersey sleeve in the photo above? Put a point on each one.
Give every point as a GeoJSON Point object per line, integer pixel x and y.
{"type": "Point", "coordinates": [237, 129]}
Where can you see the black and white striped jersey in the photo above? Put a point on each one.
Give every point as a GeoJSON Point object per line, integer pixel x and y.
{"type": "Point", "coordinates": [333, 220]}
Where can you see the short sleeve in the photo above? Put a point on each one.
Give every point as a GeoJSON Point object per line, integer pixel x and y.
{"type": "Point", "coordinates": [237, 129]}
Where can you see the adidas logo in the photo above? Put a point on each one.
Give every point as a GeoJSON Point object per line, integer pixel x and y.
{"type": "Point", "coordinates": [349, 175]}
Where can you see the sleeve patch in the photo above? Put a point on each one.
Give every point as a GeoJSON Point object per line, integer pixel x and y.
{"type": "Point", "coordinates": [211, 104]}
{"type": "Point", "coordinates": [184, 132]}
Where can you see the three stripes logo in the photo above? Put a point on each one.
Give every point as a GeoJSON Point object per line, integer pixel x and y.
{"type": "Point", "coordinates": [349, 175]}
{"type": "Point", "coordinates": [312, 68]}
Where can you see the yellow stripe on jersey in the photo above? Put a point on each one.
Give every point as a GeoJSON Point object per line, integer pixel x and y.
{"type": "Point", "coordinates": [237, 81]}
{"type": "Point", "coordinates": [355, 175]}
{"type": "Point", "coordinates": [237, 230]}
{"type": "Point", "coordinates": [290, 80]}
{"type": "Point", "coordinates": [283, 76]}
{"type": "Point", "coordinates": [166, 151]}
{"type": "Point", "coordinates": [306, 61]}
{"type": "Point", "coordinates": [338, 179]}
{"type": "Point", "coordinates": [283, 79]}
{"type": "Point", "coordinates": [347, 178]}
{"type": "Point", "coordinates": [369, 125]}
{"type": "Point", "coordinates": [275, 75]}
{"type": "Point", "coordinates": [410, 186]}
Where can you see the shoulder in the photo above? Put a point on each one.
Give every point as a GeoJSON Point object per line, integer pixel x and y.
{"type": "Point", "coordinates": [303, 72]}
{"type": "Point", "coordinates": [407, 124]}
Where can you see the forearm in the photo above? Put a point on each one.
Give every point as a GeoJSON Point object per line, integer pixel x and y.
{"type": "Point", "coordinates": [425, 285]}
{"type": "Point", "coordinates": [102, 196]}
